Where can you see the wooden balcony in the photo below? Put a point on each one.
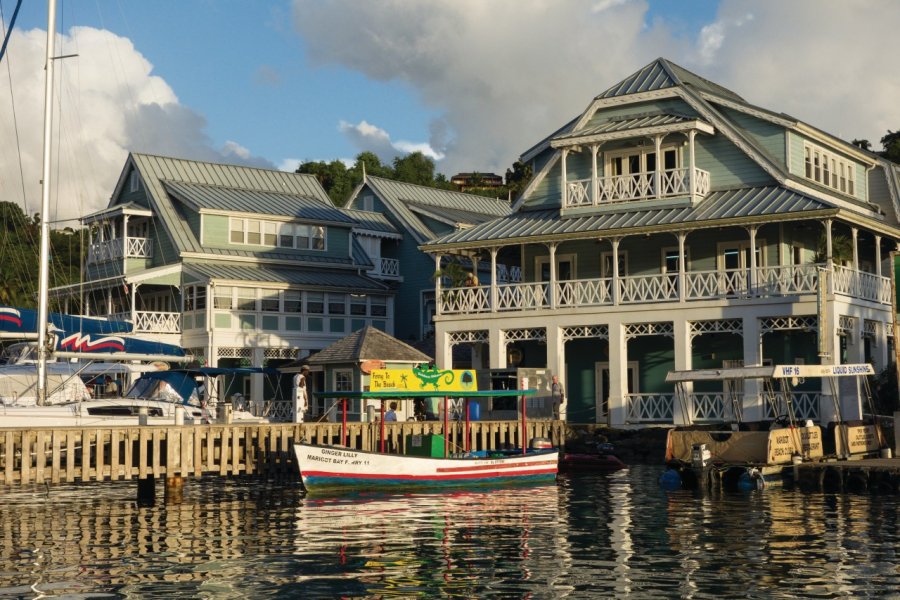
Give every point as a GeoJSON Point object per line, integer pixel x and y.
{"type": "Point", "coordinates": [386, 268]}
{"type": "Point", "coordinates": [115, 249]}
{"type": "Point", "coordinates": [636, 186]}
{"type": "Point", "coordinates": [741, 284]}
{"type": "Point", "coordinates": [146, 321]}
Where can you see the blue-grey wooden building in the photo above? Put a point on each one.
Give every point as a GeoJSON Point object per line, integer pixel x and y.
{"type": "Point", "coordinates": [674, 225]}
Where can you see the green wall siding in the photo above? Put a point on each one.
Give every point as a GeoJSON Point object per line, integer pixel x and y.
{"type": "Point", "coordinates": [728, 165]}
{"type": "Point", "coordinates": [798, 163]}
{"type": "Point", "coordinates": [769, 136]}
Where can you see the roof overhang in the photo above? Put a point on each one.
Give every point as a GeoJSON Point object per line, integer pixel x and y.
{"type": "Point", "coordinates": [597, 138]}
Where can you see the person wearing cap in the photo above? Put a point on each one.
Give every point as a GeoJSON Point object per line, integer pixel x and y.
{"type": "Point", "coordinates": [301, 402]}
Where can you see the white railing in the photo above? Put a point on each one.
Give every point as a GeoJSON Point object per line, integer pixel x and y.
{"type": "Point", "coordinates": [769, 282]}
{"type": "Point", "coordinates": [648, 288]}
{"type": "Point", "coordinates": [860, 284]}
{"type": "Point", "coordinates": [650, 408]}
{"type": "Point", "coordinates": [707, 407]}
{"type": "Point", "coordinates": [157, 322]}
{"type": "Point", "coordinates": [636, 186]}
{"type": "Point", "coordinates": [806, 406]}
{"type": "Point", "coordinates": [386, 267]}
{"type": "Point", "coordinates": [584, 292]}
{"type": "Point", "coordinates": [135, 247]}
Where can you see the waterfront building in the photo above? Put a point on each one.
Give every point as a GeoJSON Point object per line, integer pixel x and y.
{"type": "Point", "coordinates": [674, 225]}
{"type": "Point", "coordinates": [241, 266]}
{"type": "Point", "coordinates": [416, 214]}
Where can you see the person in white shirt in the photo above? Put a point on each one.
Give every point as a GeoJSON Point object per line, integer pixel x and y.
{"type": "Point", "coordinates": [301, 402]}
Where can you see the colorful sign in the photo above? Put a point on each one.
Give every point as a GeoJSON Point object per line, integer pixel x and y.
{"type": "Point", "coordinates": [425, 379]}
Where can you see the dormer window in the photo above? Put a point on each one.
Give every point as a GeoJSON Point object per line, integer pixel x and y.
{"type": "Point", "coordinates": [134, 182]}
{"type": "Point", "coordinates": [829, 169]}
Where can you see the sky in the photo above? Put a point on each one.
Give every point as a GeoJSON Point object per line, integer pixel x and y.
{"type": "Point", "coordinates": [471, 83]}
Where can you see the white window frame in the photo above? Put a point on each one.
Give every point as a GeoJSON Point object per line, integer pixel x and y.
{"type": "Point", "coordinates": [662, 258]}
{"type": "Point", "coordinates": [829, 169]}
{"type": "Point", "coordinates": [540, 261]}
{"type": "Point", "coordinates": [610, 156]}
{"type": "Point", "coordinates": [742, 246]}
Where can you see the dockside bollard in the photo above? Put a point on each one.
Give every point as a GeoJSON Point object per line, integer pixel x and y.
{"type": "Point", "coordinates": [143, 415]}
{"type": "Point", "coordinates": [179, 415]}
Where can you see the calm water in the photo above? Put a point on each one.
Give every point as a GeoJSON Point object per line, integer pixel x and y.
{"type": "Point", "coordinates": [588, 536]}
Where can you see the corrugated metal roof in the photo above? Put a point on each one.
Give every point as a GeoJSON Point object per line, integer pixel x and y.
{"type": "Point", "coordinates": [660, 74]}
{"type": "Point", "coordinates": [730, 204]}
{"type": "Point", "coordinates": [154, 170]}
{"type": "Point", "coordinates": [368, 343]}
{"type": "Point", "coordinates": [453, 215]}
{"type": "Point", "coordinates": [297, 256]}
{"type": "Point", "coordinates": [398, 195]}
{"type": "Point", "coordinates": [369, 220]}
{"type": "Point", "coordinates": [199, 196]}
{"type": "Point", "coordinates": [319, 278]}
{"type": "Point", "coordinates": [620, 125]}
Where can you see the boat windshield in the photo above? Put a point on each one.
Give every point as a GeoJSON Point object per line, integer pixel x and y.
{"type": "Point", "coordinates": [166, 386]}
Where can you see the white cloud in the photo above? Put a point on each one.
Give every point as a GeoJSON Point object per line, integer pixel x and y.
{"type": "Point", "coordinates": [507, 73]}
{"type": "Point", "coordinates": [368, 137]}
{"type": "Point", "coordinates": [111, 104]}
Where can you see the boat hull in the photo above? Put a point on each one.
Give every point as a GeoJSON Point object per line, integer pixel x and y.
{"type": "Point", "coordinates": [335, 469]}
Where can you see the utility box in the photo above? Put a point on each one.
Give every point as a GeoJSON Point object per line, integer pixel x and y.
{"type": "Point", "coordinates": [430, 445]}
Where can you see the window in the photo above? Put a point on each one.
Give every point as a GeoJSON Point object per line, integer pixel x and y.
{"type": "Point", "coordinates": [246, 299]}
{"type": "Point", "coordinates": [269, 301]}
{"type": "Point", "coordinates": [286, 235]}
{"type": "Point", "coordinates": [134, 182]}
{"type": "Point", "coordinates": [315, 303]}
{"type": "Point", "coordinates": [292, 301]}
{"type": "Point", "coordinates": [343, 380]}
{"type": "Point", "coordinates": [301, 235]}
{"type": "Point", "coordinates": [368, 202]}
{"type": "Point", "coordinates": [337, 304]}
{"type": "Point", "coordinates": [237, 231]}
{"type": "Point", "coordinates": [379, 306]}
{"type": "Point", "coordinates": [670, 260]}
{"type": "Point", "coordinates": [195, 298]}
{"type": "Point", "coordinates": [274, 234]}
{"type": "Point", "coordinates": [318, 238]}
{"type": "Point", "coordinates": [606, 269]}
{"type": "Point", "coordinates": [223, 298]}
{"type": "Point", "coordinates": [829, 169]}
{"type": "Point", "coordinates": [253, 231]}
{"type": "Point", "coordinates": [270, 233]}
{"type": "Point", "coordinates": [357, 305]}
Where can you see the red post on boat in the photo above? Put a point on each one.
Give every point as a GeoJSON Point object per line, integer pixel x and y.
{"type": "Point", "coordinates": [524, 428]}
{"type": "Point", "coordinates": [344, 422]}
{"type": "Point", "coordinates": [382, 426]}
{"type": "Point", "coordinates": [467, 424]}
{"type": "Point", "coordinates": [446, 430]}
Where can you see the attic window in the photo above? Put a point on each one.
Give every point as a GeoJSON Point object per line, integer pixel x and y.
{"type": "Point", "coordinates": [134, 182]}
{"type": "Point", "coordinates": [829, 169]}
{"type": "Point", "coordinates": [368, 202]}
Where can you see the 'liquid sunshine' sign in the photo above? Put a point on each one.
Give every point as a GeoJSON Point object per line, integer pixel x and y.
{"type": "Point", "coordinates": [425, 379]}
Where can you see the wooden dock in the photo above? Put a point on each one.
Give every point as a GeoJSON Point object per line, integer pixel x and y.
{"type": "Point", "coordinates": [76, 454]}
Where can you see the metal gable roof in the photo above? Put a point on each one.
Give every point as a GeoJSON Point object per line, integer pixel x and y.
{"type": "Point", "coordinates": [201, 196]}
{"type": "Point", "coordinates": [730, 204]}
{"type": "Point", "coordinates": [154, 170]}
{"type": "Point", "coordinates": [661, 74]}
{"type": "Point", "coordinates": [399, 195]}
{"type": "Point", "coordinates": [623, 125]}
{"type": "Point", "coordinates": [370, 221]}
{"type": "Point", "coordinates": [296, 256]}
{"type": "Point", "coordinates": [317, 278]}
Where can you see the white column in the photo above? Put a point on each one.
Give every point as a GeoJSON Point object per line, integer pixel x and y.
{"type": "Point", "coordinates": [751, 282]}
{"type": "Point", "coordinates": [855, 233]}
{"type": "Point", "coordinates": [595, 193]}
{"type": "Point", "coordinates": [437, 286]}
{"type": "Point", "coordinates": [828, 248]}
{"type": "Point", "coordinates": [497, 341]}
{"type": "Point", "coordinates": [615, 272]}
{"type": "Point", "coordinates": [552, 247]}
{"type": "Point", "coordinates": [565, 183]}
{"type": "Point", "coordinates": [878, 255]}
{"type": "Point", "coordinates": [618, 374]}
{"type": "Point", "coordinates": [753, 406]}
{"type": "Point", "coordinates": [495, 291]}
{"type": "Point", "coordinates": [683, 362]}
{"type": "Point", "coordinates": [443, 352]}
{"type": "Point", "coordinates": [682, 268]}
{"type": "Point", "coordinates": [556, 361]}
{"type": "Point", "coordinates": [657, 173]}
{"type": "Point", "coordinates": [881, 346]}
{"type": "Point", "coordinates": [692, 174]}
{"type": "Point", "coordinates": [257, 383]}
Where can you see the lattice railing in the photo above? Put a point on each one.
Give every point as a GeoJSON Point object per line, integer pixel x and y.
{"type": "Point", "coordinates": [466, 300]}
{"type": "Point", "coordinates": [651, 288]}
{"type": "Point", "coordinates": [585, 331]}
{"type": "Point", "coordinates": [523, 296]}
{"type": "Point", "coordinates": [708, 407]}
{"type": "Point", "coordinates": [579, 193]}
{"type": "Point", "coordinates": [231, 352]}
{"type": "Point", "coordinates": [860, 284]}
{"type": "Point", "coordinates": [139, 247]}
{"type": "Point", "coordinates": [665, 328]}
{"type": "Point", "coordinates": [650, 408]}
{"type": "Point", "coordinates": [716, 326]}
{"type": "Point", "coordinates": [800, 323]}
{"type": "Point", "coordinates": [479, 336]}
{"type": "Point", "coordinates": [716, 284]}
{"type": "Point", "coordinates": [526, 334]}
{"type": "Point", "coordinates": [157, 322]}
{"type": "Point", "coordinates": [786, 280]}
{"type": "Point", "coordinates": [806, 406]}
{"type": "Point", "coordinates": [584, 292]}
{"type": "Point", "coordinates": [870, 329]}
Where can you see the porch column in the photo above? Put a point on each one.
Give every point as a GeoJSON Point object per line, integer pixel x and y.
{"type": "Point", "coordinates": [854, 231]}
{"type": "Point", "coordinates": [828, 249]}
{"type": "Point", "coordinates": [693, 172]}
{"type": "Point", "coordinates": [618, 374]}
{"type": "Point", "coordinates": [257, 381]}
{"type": "Point", "coordinates": [556, 361]}
{"type": "Point", "coordinates": [552, 247]}
{"type": "Point", "coordinates": [657, 172]}
{"type": "Point", "coordinates": [134, 288]}
{"type": "Point", "coordinates": [497, 341]}
{"type": "Point", "coordinates": [751, 281]}
{"type": "Point", "coordinates": [495, 291]}
{"type": "Point", "coordinates": [437, 285]}
{"type": "Point", "coordinates": [124, 244]}
{"type": "Point", "coordinates": [753, 405]}
{"type": "Point", "coordinates": [683, 362]}
{"type": "Point", "coordinates": [878, 255]}
{"type": "Point", "coordinates": [443, 351]}
{"type": "Point", "coordinates": [615, 272]}
{"type": "Point", "coordinates": [565, 183]}
{"type": "Point", "coordinates": [595, 194]}
{"type": "Point", "coordinates": [682, 268]}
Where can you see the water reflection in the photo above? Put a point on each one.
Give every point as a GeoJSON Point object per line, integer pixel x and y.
{"type": "Point", "coordinates": [615, 535]}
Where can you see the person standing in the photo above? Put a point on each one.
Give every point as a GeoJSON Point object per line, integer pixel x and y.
{"type": "Point", "coordinates": [557, 396]}
{"type": "Point", "coordinates": [391, 414]}
{"type": "Point", "coordinates": [301, 402]}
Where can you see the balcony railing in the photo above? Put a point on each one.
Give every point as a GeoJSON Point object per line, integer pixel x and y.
{"type": "Point", "coordinates": [151, 321]}
{"type": "Point", "coordinates": [386, 267]}
{"type": "Point", "coordinates": [134, 247]}
{"type": "Point", "coordinates": [768, 282]}
{"type": "Point", "coordinates": [650, 408]}
{"type": "Point", "coordinates": [636, 186]}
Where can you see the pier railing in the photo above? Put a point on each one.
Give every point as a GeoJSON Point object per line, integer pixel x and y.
{"type": "Point", "coordinates": [74, 454]}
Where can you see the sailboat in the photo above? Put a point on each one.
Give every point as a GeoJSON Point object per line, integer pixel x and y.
{"type": "Point", "coordinates": [172, 398]}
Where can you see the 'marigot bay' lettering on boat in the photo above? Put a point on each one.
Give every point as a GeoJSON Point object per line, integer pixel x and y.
{"type": "Point", "coordinates": [337, 457]}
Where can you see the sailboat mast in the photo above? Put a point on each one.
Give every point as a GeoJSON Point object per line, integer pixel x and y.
{"type": "Point", "coordinates": [44, 260]}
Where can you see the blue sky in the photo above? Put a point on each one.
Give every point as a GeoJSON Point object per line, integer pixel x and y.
{"type": "Point", "coordinates": [473, 83]}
